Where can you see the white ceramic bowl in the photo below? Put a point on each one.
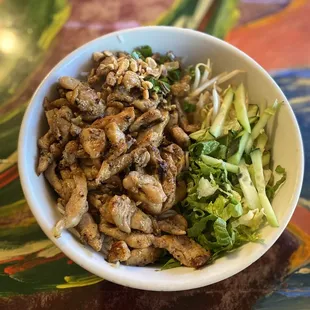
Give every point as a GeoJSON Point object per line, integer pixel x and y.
{"type": "Point", "coordinates": [194, 47]}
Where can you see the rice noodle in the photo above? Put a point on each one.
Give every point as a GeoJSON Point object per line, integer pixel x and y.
{"type": "Point", "coordinates": [198, 79]}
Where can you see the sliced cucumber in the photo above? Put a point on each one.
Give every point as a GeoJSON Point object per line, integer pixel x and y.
{"type": "Point", "coordinates": [241, 109]}
{"type": "Point", "coordinates": [218, 124]}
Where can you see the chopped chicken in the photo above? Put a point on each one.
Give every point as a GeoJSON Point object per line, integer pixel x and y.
{"type": "Point", "coordinates": [89, 232]}
{"type": "Point", "coordinates": [122, 212]}
{"type": "Point", "coordinates": [181, 88]}
{"type": "Point", "coordinates": [175, 225]}
{"type": "Point", "coordinates": [183, 121]}
{"type": "Point", "coordinates": [145, 188]}
{"type": "Point", "coordinates": [169, 182]}
{"type": "Point", "coordinates": [135, 240]}
{"type": "Point", "coordinates": [145, 120]}
{"type": "Point", "coordinates": [83, 97]}
{"type": "Point", "coordinates": [123, 119]}
{"type": "Point", "coordinates": [119, 252]}
{"type": "Point", "coordinates": [184, 249]}
{"type": "Point", "coordinates": [145, 104]}
{"type": "Point", "coordinates": [143, 257]}
{"type": "Point", "coordinates": [114, 166]}
{"type": "Point", "coordinates": [181, 191]}
{"type": "Point", "coordinates": [93, 141]}
{"type": "Point", "coordinates": [180, 137]}
{"type": "Point", "coordinates": [117, 140]}
{"type": "Point", "coordinates": [156, 161]}
{"type": "Point", "coordinates": [177, 154]}
{"type": "Point", "coordinates": [154, 135]}
{"type": "Point", "coordinates": [77, 204]}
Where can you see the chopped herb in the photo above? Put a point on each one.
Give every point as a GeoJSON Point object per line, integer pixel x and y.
{"type": "Point", "coordinates": [174, 75]}
{"type": "Point", "coordinates": [171, 263]}
{"type": "Point", "coordinates": [189, 107]}
{"type": "Point", "coordinates": [145, 51]}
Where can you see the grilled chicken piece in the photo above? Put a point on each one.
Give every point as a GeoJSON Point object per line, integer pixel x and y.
{"type": "Point", "coordinates": [177, 154]}
{"type": "Point", "coordinates": [77, 204]}
{"type": "Point", "coordinates": [57, 183]}
{"type": "Point", "coordinates": [175, 225]}
{"type": "Point", "coordinates": [145, 120]}
{"type": "Point", "coordinates": [89, 168]}
{"type": "Point", "coordinates": [111, 167]}
{"type": "Point", "coordinates": [143, 257]}
{"type": "Point", "coordinates": [117, 140]}
{"type": "Point", "coordinates": [180, 137]}
{"type": "Point", "coordinates": [145, 104]}
{"type": "Point", "coordinates": [83, 97]}
{"type": "Point", "coordinates": [134, 240]}
{"type": "Point", "coordinates": [160, 167]}
{"type": "Point", "coordinates": [181, 88]}
{"type": "Point", "coordinates": [89, 232]}
{"type": "Point", "coordinates": [123, 119]}
{"type": "Point", "coordinates": [73, 151]}
{"type": "Point", "coordinates": [119, 252]}
{"type": "Point", "coordinates": [58, 103]}
{"type": "Point", "coordinates": [51, 144]}
{"type": "Point", "coordinates": [181, 191]}
{"type": "Point", "coordinates": [93, 141]}
{"type": "Point", "coordinates": [154, 135]}
{"type": "Point", "coordinates": [122, 212]}
{"type": "Point", "coordinates": [46, 157]}
{"type": "Point", "coordinates": [184, 249]}
{"type": "Point", "coordinates": [145, 188]}
{"type": "Point", "coordinates": [183, 121]}
{"type": "Point", "coordinates": [169, 182]}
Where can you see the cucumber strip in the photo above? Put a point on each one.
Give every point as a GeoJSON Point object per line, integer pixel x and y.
{"type": "Point", "coordinates": [253, 119]}
{"type": "Point", "coordinates": [253, 110]}
{"type": "Point", "coordinates": [247, 187]}
{"type": "Point", "coordinates": [257, 163]}
{"type": "Point", "coordinates": [218, 163]}
{"type": "Point", "coordinates": [261, 124]}
{"type": "Point", "coordinates": [240, 107]}
{"type": "Point", "coordinates": [235, 159]}
{"type": "Point", "coordinates": [262, 141]}
{"type": "Point", "coordinates": [218, 124]}
{"type": "Point", "coordinates": [266, 158]}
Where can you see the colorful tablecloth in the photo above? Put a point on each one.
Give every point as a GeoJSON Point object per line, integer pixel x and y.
{"type": "Point", "coordinates": [34, 36]}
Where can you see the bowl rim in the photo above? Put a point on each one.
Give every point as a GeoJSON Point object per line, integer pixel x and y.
{"type": "Point", "coordinates": [153, 285]}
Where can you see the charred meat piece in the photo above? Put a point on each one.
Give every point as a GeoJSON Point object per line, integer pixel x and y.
{"type": "Point", "coordinates": [180, 137]}
{"type": "Point", "coordinates": [145, 104]}
{"type": "Point", "coordinates": [89, 232]}
{"type": "Point", "coordinates": [123, 119]}
{"type": "Point", "coordinates": [154, 135]}
{"type": "Point", "coordinates": [159, 166]}
{"type": "Point", "coordinates": [143, 257]}
{"type": "Point", "coordinates": [175, 225]}
{"type": "Point", "coordinates": [177, 154]}
{"type": "Point", "coordinates": [184, 249]}
{"type": "Point", "coordinates": [181, 88]}
{"type": "Point", "coordinates": [119, 252]}
{"type": "Point", "coordinates": [169, 182]}
{"type": "Point", "coordinates": [83, 97]}
{"type": "Point", "coordinates": [145, 120]}
{"type": "Point", "coordinates": [93, 141]}
{"type": "Point", "coordinates": [77, 204]}
{"type": "Point", "coordinates": [134, 240]}
{"type": "Point", "coordinates": [183, 121]}
{"type": "Point", "coordinates": [146, 189]}
{"type": "Point", "coordinates": [117, 140]}
{"type": "Point", "coordinates": [114, 166]}
{"type": "Point", "coordinates": [122, 212]}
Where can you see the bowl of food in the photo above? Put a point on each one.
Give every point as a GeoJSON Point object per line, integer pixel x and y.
{"type": "Point", "coordinates": [161, 158]}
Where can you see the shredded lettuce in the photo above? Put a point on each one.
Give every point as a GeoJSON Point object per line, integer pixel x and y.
{"type": "Point", "coordinates": [222, 207]}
